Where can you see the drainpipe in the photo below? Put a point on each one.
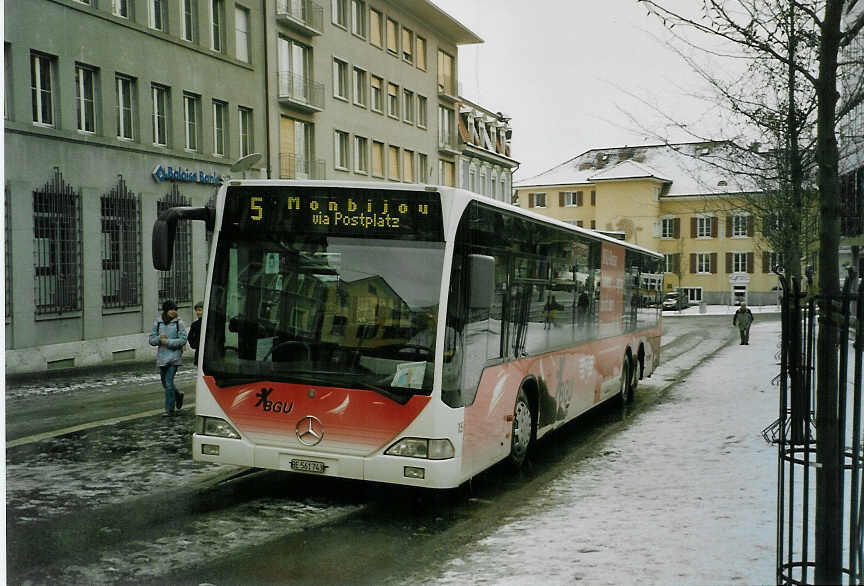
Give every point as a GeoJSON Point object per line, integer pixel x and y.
{"type": "Point", "coordinates": [267, 96]}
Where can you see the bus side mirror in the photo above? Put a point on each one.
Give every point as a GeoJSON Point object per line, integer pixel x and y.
{"type": "Point", "coordinates": [165, 230]}
{"type": "Point", "coordinates": [482, 273]}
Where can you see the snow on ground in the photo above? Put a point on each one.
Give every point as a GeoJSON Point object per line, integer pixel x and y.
{"type": "Point", "coordinates": [686, 496]}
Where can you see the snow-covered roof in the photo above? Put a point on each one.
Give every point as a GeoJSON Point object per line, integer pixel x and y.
{"type": "Point", "coordinates": [694, 169]}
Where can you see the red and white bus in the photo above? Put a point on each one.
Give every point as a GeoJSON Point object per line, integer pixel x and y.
{"type": "Point", "coordinates": [405, 333]}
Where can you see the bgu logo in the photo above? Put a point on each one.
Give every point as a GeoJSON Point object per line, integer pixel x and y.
{"type": "Point", "coordinates": [272, 406]}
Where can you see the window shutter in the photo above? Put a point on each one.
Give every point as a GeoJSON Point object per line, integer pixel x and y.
{"type": "Point", "coordinates": [693, 227]}
{"type": "Point", "coordinates": [578, 198]}
{"type": "Point", "coordinates": [676, 262]}
{"type": "Point", "coordinates": [714, 263]}
{"type": "Point", "coordinates": [766, 268]}
{"type": "Point", "coordinates": [728, 262]}
{"type": "Point", "coordinates": [593, 197]}
{"type": "Point", "coordinates": [729, 220]}
{"type": "Point", "coordinates": [714, 227]}
{"type": "Point", "coordinates": [530, 200]}
{"type": "Point", "coordinates": [693, 263]}
{"type": "Point", "coordinates": [749, 262]}
{"type": "Point", "coordinates": [561, 199]}
{"type": "Point", "coordinates": [750, 226]}
{"type": "Point", "coordinates": [676, 228]}
{"type": "Point", "coordinates": [579, 223]}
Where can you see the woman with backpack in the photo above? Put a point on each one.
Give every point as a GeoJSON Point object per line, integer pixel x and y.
{"type": "Point", "coordinates": [169, 335]}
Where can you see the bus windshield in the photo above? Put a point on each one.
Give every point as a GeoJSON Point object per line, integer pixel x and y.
{"type": "Point", "coordinates": [319, 308]}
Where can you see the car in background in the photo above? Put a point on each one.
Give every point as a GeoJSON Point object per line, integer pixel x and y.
{"type": "Point", "coordinates": [675, 301]}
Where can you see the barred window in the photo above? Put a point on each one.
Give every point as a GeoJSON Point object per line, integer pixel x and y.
{"type": "Point", "coordinates": [121, 247]}
{"type": "Point", "coordinates": [57, 247]}
{"type": "Point", "coordinates": [176, 283]}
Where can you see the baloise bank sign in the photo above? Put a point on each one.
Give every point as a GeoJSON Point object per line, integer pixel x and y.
{"type": "Point", "coordinates": [163, 173]}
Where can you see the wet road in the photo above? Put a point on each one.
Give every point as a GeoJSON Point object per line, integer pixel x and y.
{"type": "Point", "coordinates": [124, 503]}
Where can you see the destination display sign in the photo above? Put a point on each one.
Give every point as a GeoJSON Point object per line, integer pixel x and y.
{"type": "Point", "coordinates": [376, 213]}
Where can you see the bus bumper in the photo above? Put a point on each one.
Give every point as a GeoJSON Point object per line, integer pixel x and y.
{"type": "Point", "coordinates": [375, 468]}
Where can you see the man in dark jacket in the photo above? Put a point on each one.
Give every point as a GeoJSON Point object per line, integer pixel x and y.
{"type": "Point", "coordinates": [194, 337]}
{"type": "Point", "coordinates": [743, 318]}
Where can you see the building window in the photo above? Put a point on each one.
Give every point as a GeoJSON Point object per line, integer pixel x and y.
{"type": "Point", "coordinates": [247, 142]}
{"type": "Point", "coordinates": [422, 168]}
{"type": "Point", "coordinates": [593, 224]}
{"type": "Point", "coordinates": [421, 53]}
{"type": "Point", "coordinates": [42, 88]}
{"type": "Point", "coordinates": [703, 263]}
{"type": "Point", "coordinates": [359, 87]}
{"type": "Point", "coordinates": [358, 18]}
{"type": "Point", "coordinates": [160, 96]}
{"type": "Point", "coordinates": [192, 120]}
{"type": "Point", "coordinates": [157, 15]}
{"type": "Point", "coordinates": [446, 74]}
{"type": "Point", "coordinates": [738, 262]}
{"type": "Point", "coordinates": [361, 155]}
{"type": "Point", "coordinates": [593, 197]}
{"type": "Point", "coordinates": [220, 125]}
{"type": "Point", "coordinates": [176, 283]}
{"type": "Point", "coordinates": [57, 247]}
{"type": "Point", "coordinates": [670, 228]}
{"type": "Point", "coordinates": [376, 27]}
{"type": "Point", "coordinates": [392, 36]}
{"type": "Point", "coordinates": [407, 45]}
{"type": "Point", "coordinates": [377, 158]}
{"type": "Point", "coordinates": [536, 200]}
{"type": "Point", "coordinates": [217, 25]}
{"type": "Point", "coordinates": [703, 226]}
{"type": "Point", "coordinates": [393, 164]}
{"type": "Point", "coordinates": [740, 226]}
{"type": "Point", "coordinates": [408, 105]}
{"type": "Point", "coordinates": [340, 150]}
{"type": "Point", "coordinates": [241, 33]}
{"type": "Point", "coordinates": [120, 8]}
{"type": "Point", "coordinates": [446, 119]}
{"type": "Point", "coordinates": [447, 173]}
{"type": "Point", "coordinates": [190, 21]}
{"type": "Point", "coordinates": [125, 107]}
{"type": "Point", "coordinates": [377, 84]}
{"type": "Point", "coordinates": [771, 260]}
{"type": "Point", "coordinates": [340, 12]}
{"type": "Point", "coordinates": [121, 247]}
{"type": "Point", "coordinates": [571, 198]}
{"type": "Point", "coordinates": [85, 98]}
{"type": "Point", "coordinates": [422, 111]}
{"type": "Point", "coordinates": [393, 100]}
{"type": "Point", "coordinates": [340, 79]}
{"type": "Point", "coordinates": [295, 65]}
{"type": "Point", "coordinates": [694, 294]}
{"type": "Point", "coordinates": [408, 166]}
{"type": "Point", "coordinates": [472, 178]}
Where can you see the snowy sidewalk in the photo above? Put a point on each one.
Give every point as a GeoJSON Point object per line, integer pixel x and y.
{"type": "Point", "coordinates": [686, 494]}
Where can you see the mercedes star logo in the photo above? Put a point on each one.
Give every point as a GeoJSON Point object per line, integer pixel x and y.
{"type": "Point", "coordinates": [310, 431]}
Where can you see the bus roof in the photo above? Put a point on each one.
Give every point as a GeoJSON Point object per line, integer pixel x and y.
{"type": "Point", "coordinates": [468, 195]}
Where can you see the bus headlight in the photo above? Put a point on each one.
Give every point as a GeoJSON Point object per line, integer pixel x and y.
{"type": "Point", "coordinates": [415, 447]}
{"type": "Point", "coordinates": [215, 427]}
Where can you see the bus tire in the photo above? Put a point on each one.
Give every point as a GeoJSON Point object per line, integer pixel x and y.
{"type": "Point", "coordinates": [625, 393]}
{"type": "Point", "coordinates": [522, 433]}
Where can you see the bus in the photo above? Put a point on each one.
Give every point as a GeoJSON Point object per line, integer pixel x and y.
{"type": "Point", "coordinates": [405, 334]}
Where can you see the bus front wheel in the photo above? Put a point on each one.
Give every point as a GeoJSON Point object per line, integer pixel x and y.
{"type": "Point", "coordinates": [522, 434]}
{"type": "Point", "coordinates": [625, 394]}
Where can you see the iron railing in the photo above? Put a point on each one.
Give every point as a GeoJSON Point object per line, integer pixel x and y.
{"type": "Point", "coordinates": [301, 90]}
{"type": "Point", "coordinates": [176, 283]}
{"type": "Point", "coordinates": [306, 12]}
{"type": "Point", "coordinates": [294, 167]}
{"type": "Point", "coordinates": [57, 247]}
{"type": "Point", "coordinates": [795, 433]}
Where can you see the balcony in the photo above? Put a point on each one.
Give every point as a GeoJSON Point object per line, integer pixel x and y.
{"type": "Point", "coordinates": [301, 93]}
{"type": "Point", "coordinates": [448, 144]}
{"type": "Point", "coordinates": [447, 87]}
{"type": "Point", "coordinates": [303, 16]}
{"type": "Point", "coordinates": [294, 167]}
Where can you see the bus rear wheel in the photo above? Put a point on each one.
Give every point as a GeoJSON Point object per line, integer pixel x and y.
{"type": "Point", "coordinates": [625, 394]}
{"type": "Point", "coordinates": [522, 433]}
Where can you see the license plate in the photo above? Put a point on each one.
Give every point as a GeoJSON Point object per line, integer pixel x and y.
{"type": "Point", "coordinates": [308, 466]}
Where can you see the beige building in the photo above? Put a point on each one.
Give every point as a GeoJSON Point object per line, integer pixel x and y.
{"type": "Point", "coordinates": [675, 199]}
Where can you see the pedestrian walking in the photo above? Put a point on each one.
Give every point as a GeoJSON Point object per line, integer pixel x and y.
{"type": "Point", "coordinates": [194, 337]}
{"type": "Point", "coordinates": [169, 334]}
{"type": "Point", "coordinates": [743, 318]}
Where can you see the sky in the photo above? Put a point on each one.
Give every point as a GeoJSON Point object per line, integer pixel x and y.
{"type": "Point", "coordinates": [568, 70]}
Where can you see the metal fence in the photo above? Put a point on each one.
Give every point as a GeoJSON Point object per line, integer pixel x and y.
{"type": "Point", "coordinates": [57, 247]}
{"type": "Point", "coordinates": [802, 517]}
{"type": "Point", "coordinates": [301, 90]}
{"type": "Point", "coordinates": [305, 11]}
{"type": "Point", "coordinates": [121, 247]}
{"type": "Point", "coordinates": [176, 283]}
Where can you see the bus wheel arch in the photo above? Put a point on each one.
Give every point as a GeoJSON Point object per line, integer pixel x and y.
{"type": "Point", "coordinates": [523, 433]}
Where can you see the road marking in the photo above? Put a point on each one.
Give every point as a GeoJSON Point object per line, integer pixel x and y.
{"type": "Point", "coordinates": [58, 432]}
